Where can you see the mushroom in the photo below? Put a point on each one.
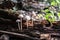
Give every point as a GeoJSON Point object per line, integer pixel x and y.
{"type": "Point", "coordinates": [18, 21]}
{"type": "Point", "coordinates": [33, 15]}
{"type": "Point", "coordinates": [27, 18]}
{"type": "Point", "coordinates": [21, 16]}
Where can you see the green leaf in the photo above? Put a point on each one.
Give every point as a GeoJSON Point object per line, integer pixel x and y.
{"type": "Point", "coordinates": [53, 3]}
{"type": "Point", "coordinates": [49, 17]}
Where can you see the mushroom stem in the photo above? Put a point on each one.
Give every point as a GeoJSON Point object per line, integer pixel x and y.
{"type": "Point", "coordinates": [21, 24]}
{"type": "Point", "coordinates": [32, 22]}
{"type": "Point", "coordinates": [27, 24]}
{"type": "Point", "coordinates": [18, 26]}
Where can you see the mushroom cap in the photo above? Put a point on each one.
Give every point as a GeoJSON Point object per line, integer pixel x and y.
{"type": "Point", "coordinates": [20, 16]}
{"type": "Point", "coordinates": [33, 13]}
{"type": "Point", "coordinates": [37, 17]}
{"type": "Point", "coordinates": [18, 20]}
{"type": "Point", "coordinates": [27, 17]}
{"type": "Point", "coordinates": [33, 19]}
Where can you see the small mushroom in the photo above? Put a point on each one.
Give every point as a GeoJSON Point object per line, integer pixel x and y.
{"type": "Point", "coordinates": [21, 16]}
{"type": "Point", "coordinates": [27, 19]}
{"type": "Point", "coordinates": [18, 21]}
